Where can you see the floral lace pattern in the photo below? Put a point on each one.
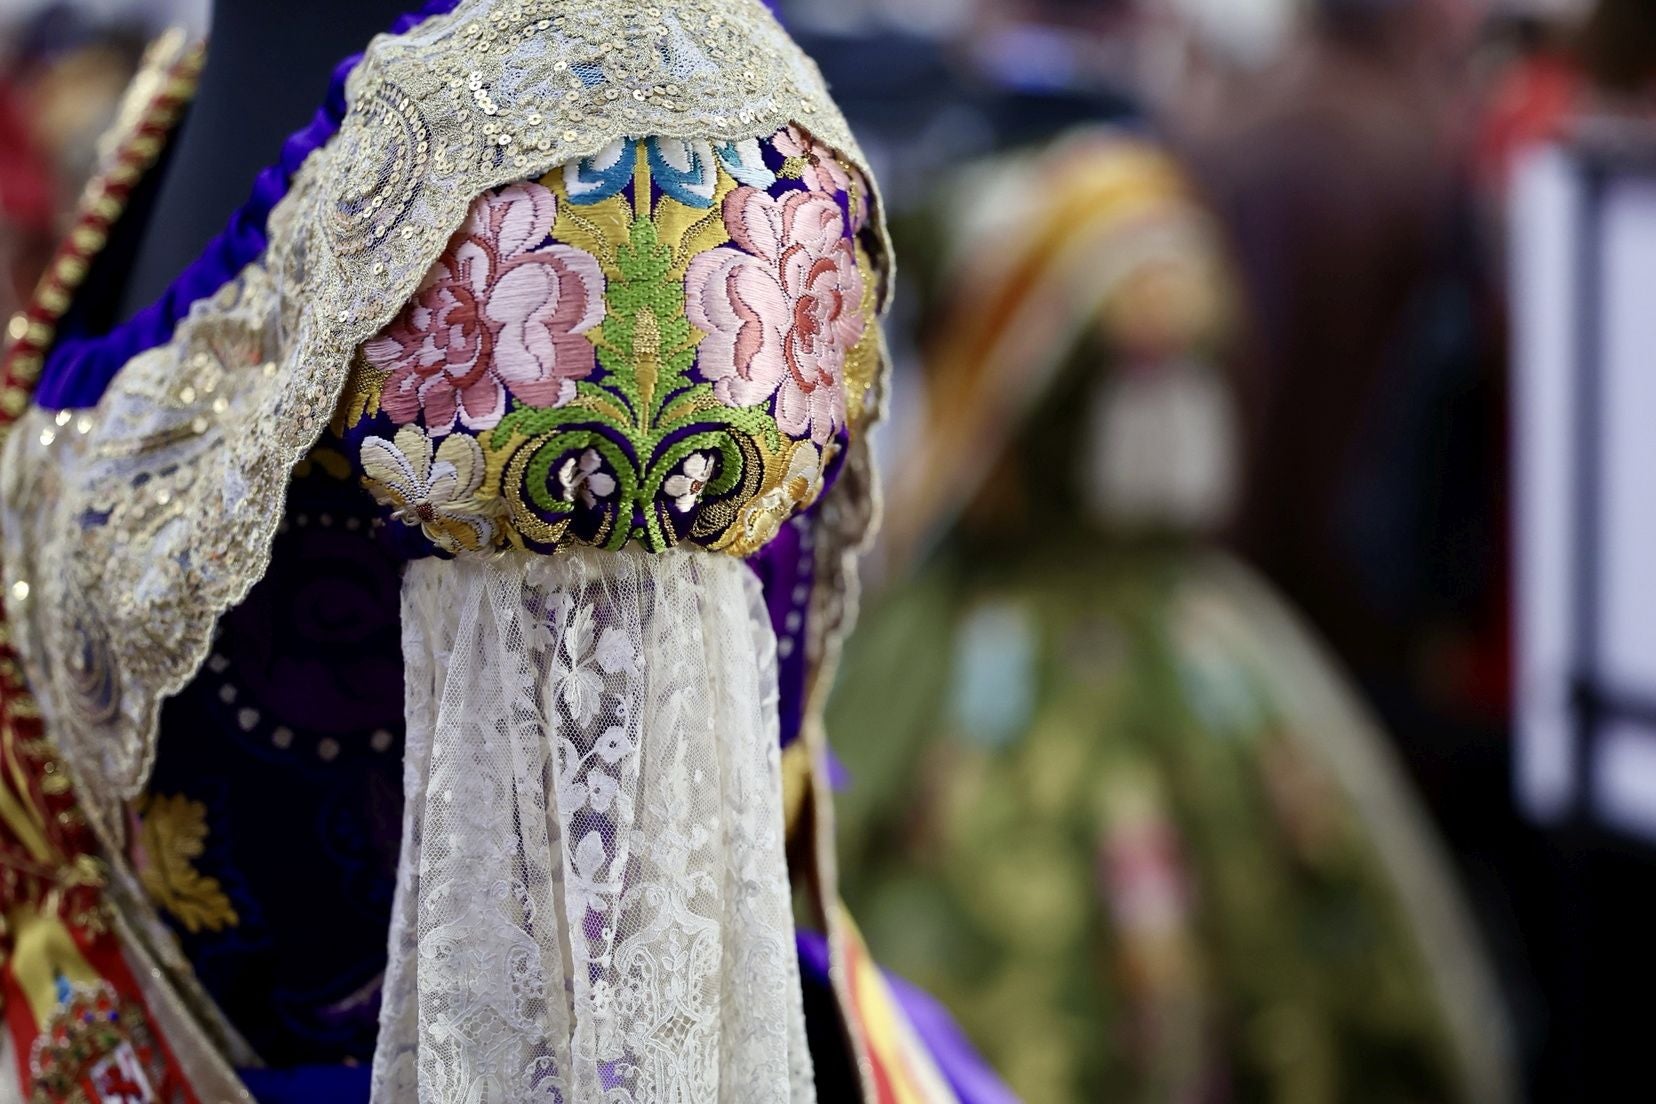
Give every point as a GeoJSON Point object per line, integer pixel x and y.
{"type": "Point", "coordinates": [593, 902]}
{"type": "Point", "coordinates": [648, 345]}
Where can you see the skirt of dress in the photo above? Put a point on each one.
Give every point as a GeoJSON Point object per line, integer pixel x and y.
{"type": "Point", "coordinates": [1149, 845]}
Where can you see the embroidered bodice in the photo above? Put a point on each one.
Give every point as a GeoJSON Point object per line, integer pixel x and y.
{"type": "Point", "coordinates": [297, 717]}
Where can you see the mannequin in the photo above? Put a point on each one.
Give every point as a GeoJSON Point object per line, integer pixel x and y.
{"type": "Point", "coordinates": [525, 928]}
{"type": "Point", "coordinates": [266, 74]}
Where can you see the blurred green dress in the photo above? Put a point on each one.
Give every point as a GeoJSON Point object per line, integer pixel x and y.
{"type": "Point", "coordinates": [1109, 799]}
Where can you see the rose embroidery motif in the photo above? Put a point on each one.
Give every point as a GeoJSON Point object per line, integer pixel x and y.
{"type": "Point", "coordinates": [435, 489]}
{"type": "Point", "coordinates": [498, 312]}
{"type": "Point", "coordinates": [822, 171]}
{"type": "Point", "coordinates": [624, 329]}
{"type": "Point", "coordinates": [781, 316]}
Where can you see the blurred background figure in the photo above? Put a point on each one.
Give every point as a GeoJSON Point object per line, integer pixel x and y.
{"type": "Point", "coordinates": [1370, 379]}
{"type": "Point", "coordinates": [63, 69]}
{"type": "Point", "coordinates": [1139, 833]}
{"type": "Point", "coordinates": [1147, 844]}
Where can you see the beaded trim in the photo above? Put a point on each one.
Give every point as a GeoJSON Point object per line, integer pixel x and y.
{"type": "Point", "coordinates": [53, 857]}
{"type": "Point", "coordinates": [31, 331]}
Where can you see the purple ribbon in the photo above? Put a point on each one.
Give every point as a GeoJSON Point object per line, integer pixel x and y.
{"type": "Point", "coordinates": [957, 1060]}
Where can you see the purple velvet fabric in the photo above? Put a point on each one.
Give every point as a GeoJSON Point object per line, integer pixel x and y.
{"type": "Point", "coordinates": [784, 567]}
{"type": "Point", "coordinates": [961, 1065]}
{"type": "Point", "coordinates": [79, 366]}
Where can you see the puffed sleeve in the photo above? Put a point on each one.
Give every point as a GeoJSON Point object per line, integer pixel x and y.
{"type": "Point", "coordinates": [653, 363]}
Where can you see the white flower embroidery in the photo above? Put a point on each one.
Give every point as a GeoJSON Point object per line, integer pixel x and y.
{"type": "Point", "coordinates": [615, 653]}
{"type": "Point", "coordinates": [613, 745]}
{"type": "Point", "coordinates": [579, 686]}
{"type": "Point", "coordinates": [685, 488]}
{"type": "Point", "coordinates": [587, 888]}
{"type": "Point", "coordinates": [434, 489]}
{"type": "Point", "coordinates": [585, 478]}
{"type": "Point", "coordinates": [601, 791]}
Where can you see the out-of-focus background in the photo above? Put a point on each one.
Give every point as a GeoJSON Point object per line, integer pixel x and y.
{"type": "Point", "coordinates": [1254, 682]}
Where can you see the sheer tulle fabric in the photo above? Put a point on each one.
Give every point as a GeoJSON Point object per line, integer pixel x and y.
{"type": "Point", "coordinates": [593, 899]}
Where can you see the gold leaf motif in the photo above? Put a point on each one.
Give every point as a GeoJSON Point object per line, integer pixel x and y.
{"type": "Point", "coordinates": [688, 407]}
{"type": "Point", "coordinates": [792, 480]}
{"type": "Point", "coordinates": [173, 831]}
{"type": "Point", "coordinates": [688, 230]}
{"type": "Point", "coordinates": [594, 227]}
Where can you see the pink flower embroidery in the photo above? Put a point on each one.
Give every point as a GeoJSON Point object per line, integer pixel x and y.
{"type": "Point", "coordinates": [494, 313]}
{"type": "Point", "coordinates": [823, 171]}
{"type": "Point", "coordinates": [781, 316]}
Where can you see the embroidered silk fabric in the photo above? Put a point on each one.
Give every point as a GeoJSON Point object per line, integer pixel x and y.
{"type": "Point", "coordinates": [669, 342]}
{"type": "Point", "coordinates": [653, 346]}
{"type": "Point", "coordinates": [593, 901]}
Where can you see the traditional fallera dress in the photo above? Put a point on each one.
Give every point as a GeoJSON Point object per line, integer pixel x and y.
{"type": "Point", "coordinates": [417, 620]}
{"type": "Point", "coordinates": [1111, 799]}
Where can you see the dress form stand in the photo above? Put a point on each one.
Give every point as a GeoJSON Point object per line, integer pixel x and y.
{"type": "Point", "coordinates": [267, 71]}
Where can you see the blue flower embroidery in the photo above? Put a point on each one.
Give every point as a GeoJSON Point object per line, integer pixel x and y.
{"type": "Point", "coordinates": [685, 170]}
{"type": "Point", "coordinates": [602, 175]}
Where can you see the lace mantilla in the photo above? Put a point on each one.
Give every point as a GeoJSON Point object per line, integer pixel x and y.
{"type": "Point", "coordinates": [129, 529]}
{"type": "Point", "coordinates": [593, 899]}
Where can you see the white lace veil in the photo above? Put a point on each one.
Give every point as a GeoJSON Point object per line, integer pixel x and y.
{"type": "Point", "coordinates": [593, 902]}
